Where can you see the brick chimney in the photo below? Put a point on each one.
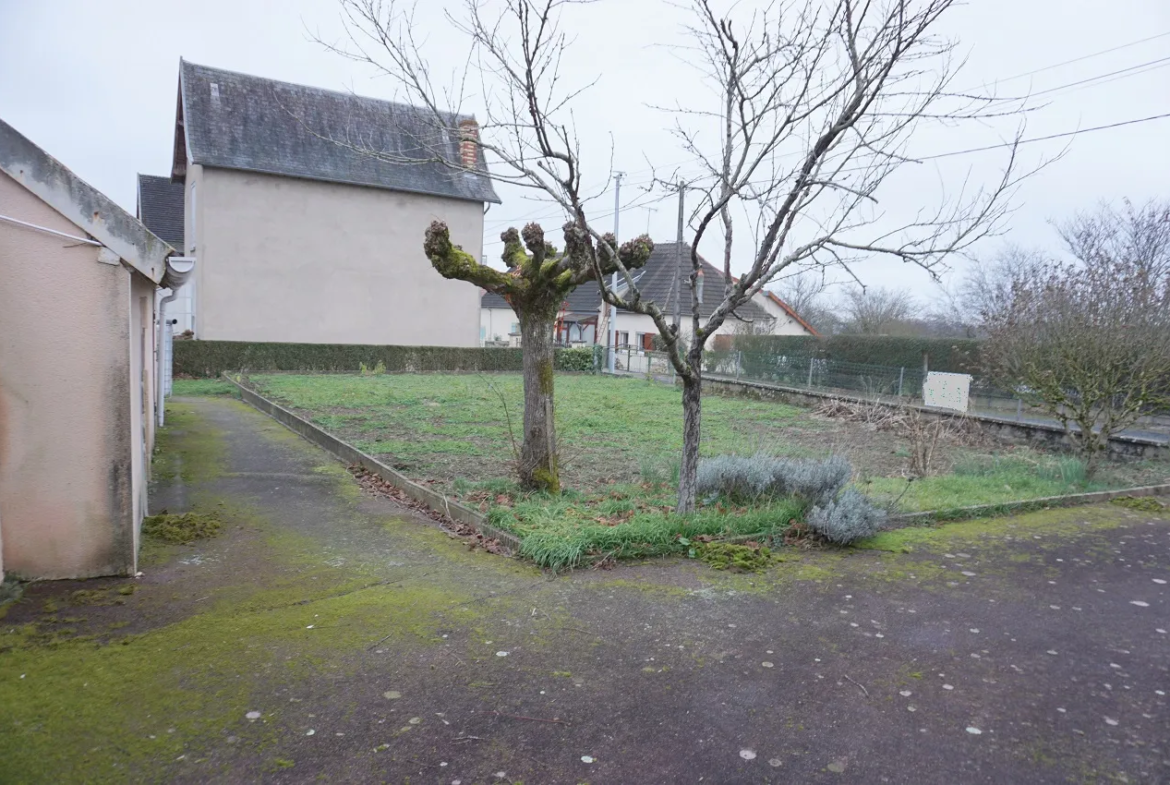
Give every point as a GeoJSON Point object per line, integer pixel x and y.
{"type": "Point", "coordinates": [469, 143]}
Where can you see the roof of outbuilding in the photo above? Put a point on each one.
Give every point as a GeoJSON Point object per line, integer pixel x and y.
{"type": "Point", "coordinates": [236, 121]}
{"type": "Point", "coordinates": [160, 207]}
{"type": "Point", "coordinates": [83, 205]}
{"type": "Point", "coordinates": [657, 284]}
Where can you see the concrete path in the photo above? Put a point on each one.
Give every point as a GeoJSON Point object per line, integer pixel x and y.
{"type": "Point", "coordinates": [332, 636]}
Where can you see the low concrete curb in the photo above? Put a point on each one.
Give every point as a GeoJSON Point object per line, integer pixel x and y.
{"type": "Point", "coordinates": [1008, 508]}
{"type": "Point", "coordinates": [352, 456]}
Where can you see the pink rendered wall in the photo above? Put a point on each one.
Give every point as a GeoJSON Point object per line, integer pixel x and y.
{"type": "Point", "coordinates": [69, 481]}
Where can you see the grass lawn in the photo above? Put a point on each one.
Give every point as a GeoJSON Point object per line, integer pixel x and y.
{"type": "Point", "coordinates": [619, 440]}
{"type": "Point", "coordinates": [202, 387]}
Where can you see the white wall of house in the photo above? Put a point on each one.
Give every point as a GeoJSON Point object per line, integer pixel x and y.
{"type": "Point", "coordinates": [785, 324]}
{"type": "Point", "coordinates": [632, 326]}
{"type": "Point", "coordinates": [283, 259]}
{"type": "Point", "coordinates": [499, 324]}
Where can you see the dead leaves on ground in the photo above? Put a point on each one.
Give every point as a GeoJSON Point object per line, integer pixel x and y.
{"type": "Point", "coordinates": [376, 486]}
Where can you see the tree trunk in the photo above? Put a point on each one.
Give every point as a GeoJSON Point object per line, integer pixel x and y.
{"type": "Point", "coordinates": [538, 455]}
{"type": "Point", "coordinates": [688, 473]}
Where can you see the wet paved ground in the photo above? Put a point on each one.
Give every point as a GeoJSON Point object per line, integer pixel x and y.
{"type": "Point", "coordinates": [369, 646]}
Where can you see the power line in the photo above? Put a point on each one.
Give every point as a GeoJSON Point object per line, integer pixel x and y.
{"type": "Point", "coordinates": [1125, 71]}
{"type": "Point", "coordinates": [1081, 58]}
{"type": "Point", "coordinates": [1043, 138]}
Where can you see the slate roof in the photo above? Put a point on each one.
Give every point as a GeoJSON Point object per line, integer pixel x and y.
{"type": "Point", "coordinates": [160, 207]}
{"type": "Point", "coordinates": [584, 301]}
{"type": "Point", "coordinates": [657, 281]}
{"type": "Point", "coordinates": [236, 121]}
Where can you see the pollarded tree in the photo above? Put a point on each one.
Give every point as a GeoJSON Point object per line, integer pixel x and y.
{"type": "Point", "coordinates": [1088, 344]}
{"type": "Point", "coordinates": [535, 284]}
{"type": "Point", "coordinates": [816, 102]}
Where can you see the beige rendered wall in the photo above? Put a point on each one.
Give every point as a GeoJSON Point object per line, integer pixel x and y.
{"type": "Point", "coordinates": [282, 259]}
{"type": "Point", "coordinates": [67, 501]}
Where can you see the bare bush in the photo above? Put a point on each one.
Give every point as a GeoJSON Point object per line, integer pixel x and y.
{"type": "Point", "coordinates": [1089, 344]}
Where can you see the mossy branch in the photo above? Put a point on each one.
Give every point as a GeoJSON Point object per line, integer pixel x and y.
{"type": "Point", "coordinates": [452, 262]}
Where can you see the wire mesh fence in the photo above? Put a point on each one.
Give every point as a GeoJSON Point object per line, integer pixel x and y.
{"type": "Point", "coordinates": [820, 374]}
{"type": "Point", "coordinates": [789, 370]}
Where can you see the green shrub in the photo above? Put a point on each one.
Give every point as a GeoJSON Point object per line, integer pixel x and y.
{"type": "Point", "coordinates": [582, 359]}
{"type": "Point", "coordinates": [202, 359]}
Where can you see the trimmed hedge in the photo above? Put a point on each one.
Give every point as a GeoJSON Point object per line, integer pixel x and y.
{"type": "Point", "coordinates": [210, 358]}
{"type": "Point", "coordinates": [950, 355]}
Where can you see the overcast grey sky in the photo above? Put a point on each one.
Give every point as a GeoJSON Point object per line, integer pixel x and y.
{"type": "Point", "coordinates": [94, 83]}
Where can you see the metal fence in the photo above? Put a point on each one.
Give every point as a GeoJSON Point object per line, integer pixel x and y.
{"type": "Point", "coordinates": [786, 370]}
{"type": "Point", "coordinates": [825, 375]}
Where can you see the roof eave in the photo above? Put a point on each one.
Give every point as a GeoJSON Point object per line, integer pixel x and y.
{"type": "Point", "coordinates": [81, 204]}
{"type": "Point", "coordinates": [257, 170]}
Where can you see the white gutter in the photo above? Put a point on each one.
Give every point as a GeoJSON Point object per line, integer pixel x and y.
{"type": "Point", "coordinates": [47, 230]}
{"type": "Point", "coordinates": [177, 272]}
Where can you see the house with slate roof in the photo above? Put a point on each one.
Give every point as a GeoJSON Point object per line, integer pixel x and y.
{"type": "Point", "coordinates": [306, 210]}
{"type": "Point", "coordinates": [580, 315]}
{"type": "Point", "coordinates": [765, 314]}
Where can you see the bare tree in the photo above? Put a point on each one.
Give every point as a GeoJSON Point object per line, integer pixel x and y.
{"type": "Point", "coordinates": [987, 284]}
{"type": "Point", "coordinates": [1136, 235]}
{"type": "Point", "coordinates": [535, 285]}
{"type": "Point", "coordinates": [806, 293]}
{"type": "Point", "coordinates": [1090, 345]}
{"type": "Point", "coordinates": [878, 311]}
{"type": "Point", "coordinates": [817, 103]}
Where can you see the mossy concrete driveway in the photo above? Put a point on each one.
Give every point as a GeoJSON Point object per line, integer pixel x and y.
{"type": "Point", "coordinates": [327, 635]}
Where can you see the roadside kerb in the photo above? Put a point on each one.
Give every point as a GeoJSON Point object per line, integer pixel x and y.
{"type": "Point", "coordinates": [1030, 505]}
{"type": "Point", "coordinates": [352, 456]}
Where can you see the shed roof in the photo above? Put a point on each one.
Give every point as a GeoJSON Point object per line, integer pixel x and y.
{"type": "Point", "coordinates": [237, 121]}
{"type": "Point", "coordinates": [160, 207]}
{"type": "Point", "coordinates": [83, 205]}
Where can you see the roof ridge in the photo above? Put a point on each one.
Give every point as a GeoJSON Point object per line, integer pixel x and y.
{"type": "Point", "coordinates": [316, 89]}
{"type": "Point", "coordinates": [252, 123]}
